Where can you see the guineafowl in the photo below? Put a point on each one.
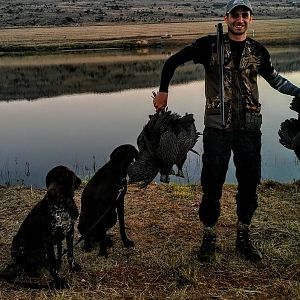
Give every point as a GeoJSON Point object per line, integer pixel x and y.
{"type": "Point", "coordinates": [164, 141]}
{"type": "Point", "coordinates": [289, 134]}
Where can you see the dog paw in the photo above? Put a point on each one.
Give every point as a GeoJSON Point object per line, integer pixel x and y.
{"type": "Point", "coordinates": [11, 272]}
{"type": "Point", "coordinates": [109, 242]}
{"type": "Point", "coordinates": [143, 185]}
{"type": "Point", "coordinates": [32, 272]}
{"type": "Point", "coordinates": [103, 253]}
{"type": "Point", "coordinates": [60, 283]}
{"type": "Point", "coordinates": [75, 267]}
{"type": "Point", "coordinates": [128, 243]}
{"type": "Point", "coordinates": [87, 247]}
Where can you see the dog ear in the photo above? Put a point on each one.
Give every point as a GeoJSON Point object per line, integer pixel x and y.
{"type": "Point", "coordinates": [50, 177]}
{"type": "Point", "coordinates": [116, 153]}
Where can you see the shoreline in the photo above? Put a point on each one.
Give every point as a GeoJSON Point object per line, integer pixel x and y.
{"type": "Point", "coordinates": [24, 40]}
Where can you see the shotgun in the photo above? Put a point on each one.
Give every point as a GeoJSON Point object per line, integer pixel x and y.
{"type": "Point", "coordinates": [220, 53]}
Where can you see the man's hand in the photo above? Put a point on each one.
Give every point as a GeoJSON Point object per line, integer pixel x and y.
{"type": "Point", "coordinates": [160, 100]}
{"type": "Point", "coordinates": [295, 104]}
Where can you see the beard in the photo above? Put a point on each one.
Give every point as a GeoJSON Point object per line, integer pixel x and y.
{"type": "Point", "coordinates": [237, 32]}
{"type": "Point", "coordinates": [242, 30]}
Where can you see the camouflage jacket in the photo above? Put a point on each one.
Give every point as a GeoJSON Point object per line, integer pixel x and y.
{"type": "Point", "coordinates": [240, 85]}
{"type": "Point", "coordinates": [240, 78]}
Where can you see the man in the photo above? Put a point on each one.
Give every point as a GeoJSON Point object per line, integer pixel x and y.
{"type": "Point", "coordinates": [244, 59]}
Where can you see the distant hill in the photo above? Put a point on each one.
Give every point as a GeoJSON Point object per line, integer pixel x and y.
{"type": "Point", "coordinates": [81, 12]}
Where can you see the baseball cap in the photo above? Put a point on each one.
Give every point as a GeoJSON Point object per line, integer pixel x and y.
{"type": "Point", "coordinates": [234, 3]}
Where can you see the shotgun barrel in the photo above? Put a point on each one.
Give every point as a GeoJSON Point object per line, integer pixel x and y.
{"type": "Point", "coordinates": [220, 52]}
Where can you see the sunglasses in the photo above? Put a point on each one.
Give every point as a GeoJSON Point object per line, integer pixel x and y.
{"type": "Point", "coordinates": [244, 15]}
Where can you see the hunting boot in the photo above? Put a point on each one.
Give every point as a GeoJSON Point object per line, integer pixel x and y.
{"type": "Point", "coordinates": [207, 249]}
{"type": "Point", "coordinates": [244, 246]}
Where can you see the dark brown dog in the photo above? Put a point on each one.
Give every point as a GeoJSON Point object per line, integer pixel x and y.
{"type": "Point", "coordinates": [46, 226]}
{"type": "Point", "coordinates": [102, 197]}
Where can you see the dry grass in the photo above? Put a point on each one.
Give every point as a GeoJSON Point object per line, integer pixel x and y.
{"type": "Point", "coordinates": [139, 35]}
{"type": "Point", "coordinates": [163, 222]}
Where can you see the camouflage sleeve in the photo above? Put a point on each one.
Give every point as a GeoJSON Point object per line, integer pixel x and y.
{"type": "Point", "coordinates": [276, 81]}
{"type": "Point", "coordinates": [284, 86]}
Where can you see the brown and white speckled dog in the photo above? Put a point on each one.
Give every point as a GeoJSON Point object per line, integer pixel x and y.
{"type": "Point", "coordinates": [46, 226]}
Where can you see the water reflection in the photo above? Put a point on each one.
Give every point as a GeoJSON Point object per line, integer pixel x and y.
{"type": "Point", "coordinates": [36, 77]}
{"type": "Point", "coordinates": [81, 129]}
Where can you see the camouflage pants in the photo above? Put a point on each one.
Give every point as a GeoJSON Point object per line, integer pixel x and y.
{"type": "Point", "coordinates": [218, 145]}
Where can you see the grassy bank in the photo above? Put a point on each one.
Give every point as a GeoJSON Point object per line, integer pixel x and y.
{"type": "Point", "coordinates": [163, 222]}
{"type": "Point", "coordinates": [127, 36]}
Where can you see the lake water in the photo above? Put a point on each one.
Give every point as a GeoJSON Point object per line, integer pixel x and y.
{"type": "Point", "coordinates": [75, 109]}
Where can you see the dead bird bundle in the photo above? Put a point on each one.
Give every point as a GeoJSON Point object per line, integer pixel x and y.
{"type": "Point", "coordinates": [289, 134]}
{"type": "Point", "coordinates": [164, 142]}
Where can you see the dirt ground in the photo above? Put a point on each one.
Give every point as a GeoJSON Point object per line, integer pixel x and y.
{"type": "Point", "coordinates": [163, 222]}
